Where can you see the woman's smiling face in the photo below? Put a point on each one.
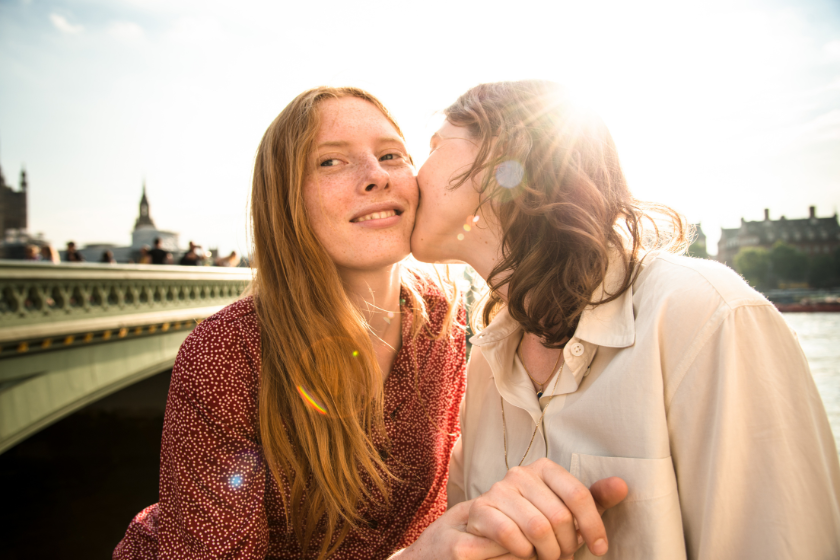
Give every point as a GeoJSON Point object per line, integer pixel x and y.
{"type": "Point", "coordinates": [439, 233]}
{"type": "Point", "coordinates": [361, 193]}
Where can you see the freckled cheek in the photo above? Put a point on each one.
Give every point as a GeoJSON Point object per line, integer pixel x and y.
{"type": "Point", "coordinates": [407, 186]}
{"type": "Point", "coordinates": [334, 198]}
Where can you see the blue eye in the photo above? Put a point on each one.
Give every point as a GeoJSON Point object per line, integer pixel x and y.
{"type": "Point", "coordinates": [329, 162]}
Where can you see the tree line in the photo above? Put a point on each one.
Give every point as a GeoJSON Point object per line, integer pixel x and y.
{"type": "Point", "coordinates": [785, 266]}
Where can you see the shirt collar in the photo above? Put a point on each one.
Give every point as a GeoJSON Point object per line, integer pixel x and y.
{"type": "Point", "coordinates": [610, 324]}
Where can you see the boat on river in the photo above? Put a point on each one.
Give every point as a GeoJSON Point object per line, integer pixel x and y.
{"type": "Point", "coordinates": [809, 307]}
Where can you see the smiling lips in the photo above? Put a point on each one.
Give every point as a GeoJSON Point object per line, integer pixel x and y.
{"type": "Point", "coordinates": [375, 216]}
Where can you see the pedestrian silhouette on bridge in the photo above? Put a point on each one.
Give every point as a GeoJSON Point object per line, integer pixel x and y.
{"type": "Point", "coordinates": [160, 255]}
{"type": "Point", "coordinates": [72, 254]}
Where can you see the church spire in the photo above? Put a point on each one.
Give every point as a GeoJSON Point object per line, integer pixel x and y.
{"type": "Point", "coordinates": [23, 182]}
{"type": "Point", "coordinates": [144, 219]}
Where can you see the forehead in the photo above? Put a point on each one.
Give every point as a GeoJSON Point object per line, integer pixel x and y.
{"type": "Point", "coordinates": [449, 130]}
{"type": "Point", "coordinates": [346, 118]}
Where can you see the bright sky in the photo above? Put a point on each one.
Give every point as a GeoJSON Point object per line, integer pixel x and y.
{"type": "Point", "coordinates": [720, 109]}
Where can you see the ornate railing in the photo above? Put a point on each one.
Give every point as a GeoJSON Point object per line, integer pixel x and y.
{"type": "Point", "coordinates": [44, 307]}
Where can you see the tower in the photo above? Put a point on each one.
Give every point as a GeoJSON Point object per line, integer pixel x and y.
{"type": "Point", "coordinates": [145, 232]}
{"type": "Point", "coordinates": [144, 220]}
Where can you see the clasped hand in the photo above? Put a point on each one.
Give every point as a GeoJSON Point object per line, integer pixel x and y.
{"type": "Point", "coordinates": [537, 511]}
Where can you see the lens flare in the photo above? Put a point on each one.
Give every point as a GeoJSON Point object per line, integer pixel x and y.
{"type": "Point", "coordinates": [236, 481]}
{"type": "Point", "coordinates": [460, 237]}
{"type": "Point", "coordinates": [509, 174]}
{"type": "Point", "coordinates": [467, 227]}
{"type": "Point", "coordinates": [310, 400]}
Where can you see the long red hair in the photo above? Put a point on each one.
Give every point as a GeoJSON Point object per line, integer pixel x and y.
{"type": "Point", "coordinates": [315, 341]}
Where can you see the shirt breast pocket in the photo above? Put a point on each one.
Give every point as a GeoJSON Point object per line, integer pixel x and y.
{"type": "Point", "coordinates": [648, 523]}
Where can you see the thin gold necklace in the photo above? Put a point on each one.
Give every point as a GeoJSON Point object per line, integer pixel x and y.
{"type": "Point", "coordinates": [537, 427]}
{"type": "Point", "coordinates": [540, 392]}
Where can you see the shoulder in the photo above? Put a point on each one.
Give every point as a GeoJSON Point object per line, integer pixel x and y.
{"type": "Point", "coordinates": [701, 281]}
{"type": "Point", "coordinates": [681, 304]}
{"type": "Point", "coordinates": [237, 320]}
{"type": "Point", "coordinates": [225, 346]}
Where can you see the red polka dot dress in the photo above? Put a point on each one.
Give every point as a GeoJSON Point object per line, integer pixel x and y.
{"type": "Point", "coordinates": [218, 499]}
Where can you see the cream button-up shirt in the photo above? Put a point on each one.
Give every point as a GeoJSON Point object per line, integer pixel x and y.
{"type": "Point", "coordinates": [693, 389]}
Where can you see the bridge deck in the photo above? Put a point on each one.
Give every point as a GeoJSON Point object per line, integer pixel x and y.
{"type": "Point", "coordinates": [71, 334]}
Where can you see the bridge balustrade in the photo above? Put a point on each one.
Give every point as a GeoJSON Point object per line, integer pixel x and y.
{"type": "Point", "coordinates": [71, 334]}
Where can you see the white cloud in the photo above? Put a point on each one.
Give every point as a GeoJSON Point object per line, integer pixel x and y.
{"type": "Point", "coordinates": [125, 30]}
{"type": "Point", "coordinates": [61, 23]}
{"type": "Point", "coordinates": [833, 48]}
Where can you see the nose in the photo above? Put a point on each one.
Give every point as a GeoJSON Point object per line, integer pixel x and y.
{"type": "Point", "coordinates": [374, 176]}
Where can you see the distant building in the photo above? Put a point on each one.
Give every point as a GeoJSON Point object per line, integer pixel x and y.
{"type": "Point", "coordinates": [145, 231]}
{"type": "Point", "coordinates": [144, 234]}
{"type": "Point", "coordinates": [811, 235]}
{"type": "Point", "coordinates": [14, 237]}
{"type": "Point", "coordinates": [12, 205]}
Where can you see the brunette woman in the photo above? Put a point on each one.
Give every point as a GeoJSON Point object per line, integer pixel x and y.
{"type": "Point", "coordinates": [605, 353]}
{"type": "Point", "coordinates": [315, 418]}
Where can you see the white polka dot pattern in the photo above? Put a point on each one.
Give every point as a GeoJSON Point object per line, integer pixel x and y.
{"type": "Point", "coordinates": [218, 499]}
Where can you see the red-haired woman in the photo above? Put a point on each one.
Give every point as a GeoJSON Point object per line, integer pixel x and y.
{"type": "Point", "coordinates": [315, 418]}
{"type": "Point", "coordinates": [606, 353]}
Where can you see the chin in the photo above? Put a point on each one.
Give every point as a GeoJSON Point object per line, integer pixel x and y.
{"type": "Point", "coordinates": [377, 260]}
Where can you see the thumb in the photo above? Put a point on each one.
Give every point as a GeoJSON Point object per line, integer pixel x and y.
{"type": "Point", "coordinates": [458, 515]}
{"type": "Point", "coordinates": [608, 492]}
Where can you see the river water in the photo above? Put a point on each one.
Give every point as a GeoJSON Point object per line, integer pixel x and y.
{"type": "Point", "coordinates": [819, 334]}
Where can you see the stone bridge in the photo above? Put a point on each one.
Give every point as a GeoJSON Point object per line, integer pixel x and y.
{"type": "Point", "coordinates": [71, 334]}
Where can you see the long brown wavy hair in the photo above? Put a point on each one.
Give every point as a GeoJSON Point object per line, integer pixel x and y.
{"type": "Point", "coordinates": [316, 340]}
{"type": "Point", "coordinates": [563, 205]}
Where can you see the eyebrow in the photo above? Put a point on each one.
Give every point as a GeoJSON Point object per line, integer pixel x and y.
{"type": "Point", "coordinates": [336, 144]}
{"type": "Point", "coordinates": [344, 143]}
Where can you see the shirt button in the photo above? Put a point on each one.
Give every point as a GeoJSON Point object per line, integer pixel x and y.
{"type": "Point", "coordinates": [576, 349]}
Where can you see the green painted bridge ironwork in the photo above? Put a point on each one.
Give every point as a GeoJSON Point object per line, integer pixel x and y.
{"type": "Point", "coordinates": [71, 334]}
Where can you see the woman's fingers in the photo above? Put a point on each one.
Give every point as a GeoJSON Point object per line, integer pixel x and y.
{"type": "Point", "coordinates": [471, 547]}
{"type": "Point", "coordinates": [459, 514]}
{"type": "Point", "coordinates": [542, 508]}
{"type": "Point", "coordinates": [608, 492]}
{"type": "Point", "coordinates": [467, 545]}
{"type": "Point", "coordinates": [533, 489]}
{"type": "Point", "coordinates": [446, 539]}
{"type": "Point", "coordinates": [523, 514]}
{"type": "Point", "coordinates": [489, 522]}
{"type": "Point", "coordinates": [579, 500]}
